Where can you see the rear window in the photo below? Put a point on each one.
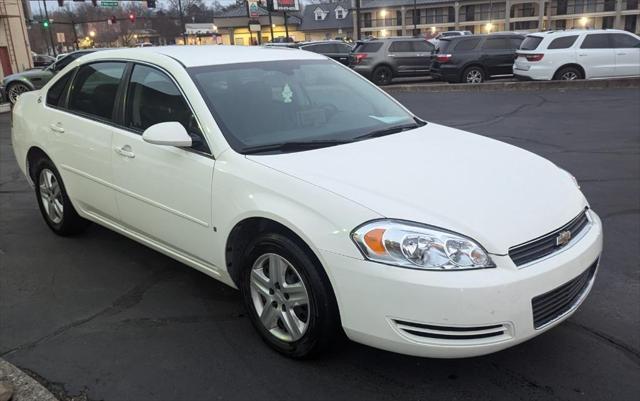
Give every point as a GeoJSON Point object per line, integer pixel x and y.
{"type": "Point", "coordinates": [467, 44]}
{"type": "Point", "coordinates": [367, 47]}
{"type": "Point", "coordinates": [624, 41]}
{"type": "Point", "coordinates": [530, 43]}
{"type": "Point", "coordinates": [564, 42]}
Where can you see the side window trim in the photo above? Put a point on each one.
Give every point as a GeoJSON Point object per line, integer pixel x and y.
{"type": "Point", "coordinates": [124, 100]}
{"type": "Point", "coordinates": [62, 102]}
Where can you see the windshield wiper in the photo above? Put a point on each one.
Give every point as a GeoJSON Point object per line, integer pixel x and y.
{"type": "Point", "coordinates": [293, 146]}
{"type": "Point", "coordinates": [389, 131]}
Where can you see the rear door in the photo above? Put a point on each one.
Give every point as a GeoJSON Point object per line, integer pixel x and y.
{"type": "Point", "coordinates": [424, 56]}
{"type": "Point", "coordinates": [403, 55]}
{"type": "Point", "coordinates": [343, 52]}
{"type": "Point", "coordinates": [627, 48]}
{"type": "Point", "coordinates": [163, 192]}
{"type": "Point", "coordinates": [498, 55]}
{"type": "Point", "coordinates": [597, 55]}
{"type": "Point", "coordinates": [82, 130]}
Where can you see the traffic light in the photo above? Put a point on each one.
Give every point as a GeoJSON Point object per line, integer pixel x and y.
{"type": "Point", "coordinates": [45, 24]}
{"type": "Point", "coordinates": [132, 18]}
{"type": "Point", "coordinates": [151, 3]}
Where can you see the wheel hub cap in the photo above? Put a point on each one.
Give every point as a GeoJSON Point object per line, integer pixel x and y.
{"type": "Point", "coordinates": [279, 297]}
{"type": "Point", "coordinates": [51, 196]}
{"type": "Point", "coordinates": [15, 91]}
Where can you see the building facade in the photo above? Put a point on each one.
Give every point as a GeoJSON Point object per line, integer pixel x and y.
{"type": "Point", "coordinates": [329, 20]}
{"type": "Point", "coordinates": [381, 18]}
{"type": "Point", "coordinates": [15, 52]}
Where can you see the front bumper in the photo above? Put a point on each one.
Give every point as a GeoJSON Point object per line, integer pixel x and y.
{"type": "Point", "coordinates": [380, 305]}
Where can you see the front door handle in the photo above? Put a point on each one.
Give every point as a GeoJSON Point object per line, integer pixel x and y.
{"type": "Point", "coordinates": [125, 151]}
{"type": "Point", "coordinates": [56, 128]}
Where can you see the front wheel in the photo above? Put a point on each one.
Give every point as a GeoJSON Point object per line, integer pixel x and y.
{"type": "Point", "coordinates": [288, 299]}
{"type": "Point", "coordinates": [382, 76]}
{"type": "Point", "coordinates": [15, 90]}
{"type": "Point", "coordinates": [473, 75]}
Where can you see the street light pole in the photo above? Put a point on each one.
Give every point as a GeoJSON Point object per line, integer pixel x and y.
{"type": "Point", "coordinates": [415, 17]}
{"type": "Point", "coordinates": [49, 28]}
{"type": "Point", "coordinates": [184, 34]}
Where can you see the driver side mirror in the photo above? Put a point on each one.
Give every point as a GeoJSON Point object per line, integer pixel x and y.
{"type": "Point", "coordinates": [171, 133]}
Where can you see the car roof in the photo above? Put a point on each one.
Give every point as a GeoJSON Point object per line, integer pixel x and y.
{"type": "Point", "coordinates": [489, 35]}
{"type": "Point", "coordinates": [571, 32]}
{"type": "Point", "coordinates": [197, 56]}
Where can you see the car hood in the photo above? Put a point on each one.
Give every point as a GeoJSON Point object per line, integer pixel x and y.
{"type": "Point", "coordinates": [493, 192]}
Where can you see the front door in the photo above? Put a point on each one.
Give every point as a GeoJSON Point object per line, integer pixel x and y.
{"type": "Point", "coordinates": [498, 56]}
{"type": "Point", "coordinates": [403, 57]}
{"type": "Point", "coordinates": [627, 50]}
{"type": "Point", "coordinates": [163, 192]}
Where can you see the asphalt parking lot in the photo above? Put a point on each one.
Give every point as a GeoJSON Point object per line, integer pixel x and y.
{"type": "Point", "coordinates": [101, 317]}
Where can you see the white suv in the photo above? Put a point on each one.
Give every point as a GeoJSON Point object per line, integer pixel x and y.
{"type": "Point", "coordinates": [578, 54]}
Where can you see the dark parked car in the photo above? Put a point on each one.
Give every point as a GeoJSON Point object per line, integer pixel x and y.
{"type": "Point", "coordinates": [335, 49]}
{"type": "Point", "coordinates": [15, 84]}
{"type": "Point", "coordinates": [474, 59]}
{"type": "Point", "coordinates": [42, 60]}
{"type": "Point", "coordinates": [381, 60]}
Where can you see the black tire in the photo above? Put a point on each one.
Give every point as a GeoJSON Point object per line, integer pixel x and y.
{"type": "Point", "coordinates": [14, 90]}
{"type": "Point", "coordinates": [382, 75]}
{"type": "Point", "coordinates": [70, 222]}
{"type": "Point", "coordinates": [322, 315]}
{"type": "Point", "coordinates": [473, 75]}
{"type": "Point", "coordinates": [568, 74]}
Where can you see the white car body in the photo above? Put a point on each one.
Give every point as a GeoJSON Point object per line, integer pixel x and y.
{"type": "Point", "coordinates": [186, 206]}
{"type": "Point", "coordinates": [593, 63]}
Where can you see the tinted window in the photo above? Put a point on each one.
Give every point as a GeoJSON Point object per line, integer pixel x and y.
{"type": "Point", "coordinates": [343, 48]}
{"type": "Point", "coordinates": [401, 46]}
{"type": "Point", "coordinates": [68, 59]}
{"type": "Point", "coordinates": [596, 41]}
{"type": "Point", "coordinates": [368, 47]}
{"type": "Point", "coordinates": [496, 44]}
{"type": "Point", "coordinates": [620, 40]}
{"type": "Point", "coordinates": [564, 42]}
{"type": "Point", "coordinates": [422, 46]}
{"type": "Point", "coordinates": [322, 48]}
{"type": "Point", "coordinates": [56, 93]}
{"type": "Point", "coordinates": [515, 43]}
{"type": "Point", "coordinates": [153, 98]}
{"type": "Point", "coordinates": [467, 44]}
{"type": "Point", "coordinates": [95, 88]}
{"type": "Point", "coordinates": [530, 43]}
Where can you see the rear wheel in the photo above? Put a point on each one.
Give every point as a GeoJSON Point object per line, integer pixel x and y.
{"type": "Point", "coordinates": [54, 203]}
{"type": "Point", "coordinates": [473, 75]}
{"type": "Point", "coordinates": [288, 299]}
{"type": "Point", "coordinates": [16, 90]}
{"type": "Point", "coordinates": [382, 75]}
{"type": "Point", "coordinates": [568, 74]}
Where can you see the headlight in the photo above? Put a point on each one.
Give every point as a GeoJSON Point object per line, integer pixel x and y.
{"type": "Point", "coordinates": [419, 246]}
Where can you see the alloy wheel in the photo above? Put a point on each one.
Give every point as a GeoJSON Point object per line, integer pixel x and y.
{"type": "Point", "coordinates": [279, 297]}
{"type": "Point", "coordinates": [569, 76]}
{"type": "Point", "coordinates": [51, 196]}
{"type": "Point", "coordinates": [474, 77]}
{"type": "Point", "coordinates": [16, 90]}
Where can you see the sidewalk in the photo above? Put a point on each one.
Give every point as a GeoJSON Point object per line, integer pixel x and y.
{"type": "Point", "coordinates": [24, 387]}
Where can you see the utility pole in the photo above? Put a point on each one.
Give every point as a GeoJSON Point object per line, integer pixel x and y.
{"type": "Point", "coordinates": [286, 27]}
{"type": "Point", "coordinates": [49, 28]}
{"type": "Point", "coordinates": [75, 35]}
{"type": "Point", "coordinates": [270, 24]}
{"type": "Point", "coordinates": [358, 32]}
{"type": "Point", "coordinates": [184, 34]}
{"type": "Point", "coordinates": [415, 17]}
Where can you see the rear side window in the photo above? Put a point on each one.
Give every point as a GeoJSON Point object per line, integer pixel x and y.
{"type": "Point", "coordinates": [596, 41]}
{"type": "Point", "coordinates": [95, 87]}
{"type": "Point", "coordinates": [368, 47]}
{"type": "Point", "coordinates": [564, 42]}
{"type": "Point", "coordinates": [55, 94]}
{"type": "Point", "coordinates": [401, 46]}
{"type": "Point", "coordinates": [496, 44]}
{"type": "Point", "coordinates": [623, 41]}
{"type": "Point", "coordinates": [530, 43]}
{"type": "Point", "coordinates": [344, 48]}
{"type": "Point", "coordinates": [153, 98]}
{"type": "Point", "coordinates": [467, 44]}
{"type": "Point", "coordinates": [422, 46]}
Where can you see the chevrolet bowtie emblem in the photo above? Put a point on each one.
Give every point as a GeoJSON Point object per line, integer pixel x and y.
{"type": "Point", "coordinates": [563, 238]}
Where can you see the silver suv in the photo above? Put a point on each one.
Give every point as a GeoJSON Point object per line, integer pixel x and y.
{"type": "Point", "coordinates": [381, 60]}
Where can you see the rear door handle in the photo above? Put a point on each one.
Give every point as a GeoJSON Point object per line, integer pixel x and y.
{"type": "Point", "coordinates": [125, 151]}
{"type": "Point", "coordinates": [56, 128]}
{"type": "Point", "coordinates": [622, 54]}
{"type": "Point", "coordinates": [582, 55]}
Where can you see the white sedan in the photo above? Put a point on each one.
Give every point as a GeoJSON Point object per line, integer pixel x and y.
{"type": "Point", "coordinates": [324, 200]}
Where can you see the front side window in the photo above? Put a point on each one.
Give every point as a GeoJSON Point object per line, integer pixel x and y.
{"type": "Point", "coordinates": [467, 44]}
{"type": "Point", "coordinates": [95, 87]}
{"type": "Point", "coordinates": [564, 42]}
{"type": "Point", "coordinates": [596, 41]}
{"type": "Point", "coordinates": [152, 98]}
{"type": "Point", "coordinates": [401, 47]}
{"type": "Point", "coordinates": [55, 94]}
{"type": "Point", "coordinates": [624, 41]}
{"type": "Point", "coordinates": [301, 102]}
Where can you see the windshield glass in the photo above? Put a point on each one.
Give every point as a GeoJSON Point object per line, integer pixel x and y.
{"type": "Point", "coordinates": [296, 101]}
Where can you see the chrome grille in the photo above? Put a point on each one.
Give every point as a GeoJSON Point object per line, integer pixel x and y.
{"type": "Point", "coordinates": [555, 303]}
{"type": "Point", "coordinates": [548, 244]}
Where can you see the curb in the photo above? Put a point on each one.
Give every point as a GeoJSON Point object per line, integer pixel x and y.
{"type": "Point", "coordinates": [518, 86]}
{"type": "Point", "coordinates": [5, 107]}
{"type": "Point", "coordinates": [25, 387]}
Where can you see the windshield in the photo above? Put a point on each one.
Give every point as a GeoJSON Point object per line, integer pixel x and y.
{"type": "Point", "coordinates": [258, 105]}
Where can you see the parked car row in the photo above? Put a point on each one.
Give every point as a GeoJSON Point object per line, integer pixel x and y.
{"type": "Point", "coordinates": [566, 55]}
